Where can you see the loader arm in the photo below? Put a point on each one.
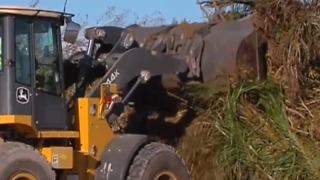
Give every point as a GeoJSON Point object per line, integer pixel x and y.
{"type": "Point", "coordinates": [180, 54]}
{"type": "Point", "coordinates": [132, 62]}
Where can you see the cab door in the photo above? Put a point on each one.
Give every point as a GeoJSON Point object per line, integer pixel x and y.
{"type": "Point", "coordinates": [49, 110]}
{"type": "Point", "coordinates": [22, 83]}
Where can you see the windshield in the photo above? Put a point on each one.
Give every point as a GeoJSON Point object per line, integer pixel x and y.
{"type": "Point", "coordinates": [47, 57]}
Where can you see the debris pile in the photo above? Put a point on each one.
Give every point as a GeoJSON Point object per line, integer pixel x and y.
{"type": "Point", "coordinates": [268, 129]}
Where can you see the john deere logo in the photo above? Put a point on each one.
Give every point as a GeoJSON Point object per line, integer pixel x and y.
{"type": "Point", "coordinates": [22, 95]}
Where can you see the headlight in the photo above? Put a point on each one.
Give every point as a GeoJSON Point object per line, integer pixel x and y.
{"type": "Point", "coordinates": [100, 33]}
{"type": "Point", "coordinates": [128, 40]}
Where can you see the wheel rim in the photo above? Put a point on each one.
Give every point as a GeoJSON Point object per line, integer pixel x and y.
{"type": "Point", "coordinates": [165, 175]}
{"type": "Point", "coordinates": [23, 176]}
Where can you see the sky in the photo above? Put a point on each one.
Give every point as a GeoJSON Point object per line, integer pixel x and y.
{"type": "Point", "coordinates": [168, 8]}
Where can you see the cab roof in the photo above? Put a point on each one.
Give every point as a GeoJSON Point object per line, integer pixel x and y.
{"type": "Point", "coordinates": [30, 11]}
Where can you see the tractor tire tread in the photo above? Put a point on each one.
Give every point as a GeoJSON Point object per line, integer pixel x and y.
{"type": "Point", "coordinates": [10, 147]}
{"type": "Point", "coordinates": [145, 155]}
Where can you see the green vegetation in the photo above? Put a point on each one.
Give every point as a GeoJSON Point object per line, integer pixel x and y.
{"type": "Point", "coordinates": [245, 134]}
{"type": "Point", "coordinates": [269, 129]}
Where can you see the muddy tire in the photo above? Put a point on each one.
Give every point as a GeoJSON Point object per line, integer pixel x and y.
{"type": "Point", "coordinates": [21, 161]}
{"type": "Point", "coordinates": [157, 161]}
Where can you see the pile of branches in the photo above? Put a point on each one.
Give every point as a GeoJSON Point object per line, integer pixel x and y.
{"type": "Point", "coordinates": [292, 29]}
{"type": "Point", "coordinates": [269, 129]}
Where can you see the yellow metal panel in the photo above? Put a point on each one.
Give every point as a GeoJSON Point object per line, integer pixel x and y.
{"type": "Point", "coordinates": [24, 125]}
{"type": "Point", "coordinates": [113, 88]}
{"type": "Point", "coordinates": [21, 123]}
{"type": "Point", "coordinates": [95, 134]}
{"type": "Point", "coordinates": [59, 157]}
{"type": "Point", "coordinates": [58, 134]}
{"type": "Point", "coordinates": [16, 119]}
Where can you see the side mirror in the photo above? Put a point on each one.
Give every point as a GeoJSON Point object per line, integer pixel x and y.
{"type": "Point", "coordinates": [71, 32]}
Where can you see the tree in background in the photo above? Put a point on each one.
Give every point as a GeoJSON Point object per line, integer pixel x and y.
{"type": "Point", "coordinates": [220, 10]}
{"type": "Point", "coordinates": [34, 3]}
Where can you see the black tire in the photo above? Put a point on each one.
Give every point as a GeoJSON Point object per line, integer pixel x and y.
{"type": "Point", "coordinates": [17, 157]}
{"type": "Point", "coordinates": [155, 158]}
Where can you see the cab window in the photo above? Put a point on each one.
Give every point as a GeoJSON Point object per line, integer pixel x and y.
{"type": "Point", "coordinates": [22, 47]}
{"type": "Point", "coordinates": [47, 58]}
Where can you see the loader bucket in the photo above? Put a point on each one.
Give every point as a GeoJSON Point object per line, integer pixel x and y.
{"type": "Point", "coordinates": [232, 47]}
{"type": "Point", "coordinates": [225, 48]}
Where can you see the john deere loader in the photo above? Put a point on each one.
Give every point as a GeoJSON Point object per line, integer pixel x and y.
{"type": "Point", "coordinates": [38, 140]}
{"type": "Point", "coordinates": [47, 133]}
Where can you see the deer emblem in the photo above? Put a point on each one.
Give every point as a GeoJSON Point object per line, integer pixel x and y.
{"type": "Point", "coordinates": [22, 95]}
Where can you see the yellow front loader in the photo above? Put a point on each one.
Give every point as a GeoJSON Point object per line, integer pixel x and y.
{"type": "Point", "coordinates": [43, 136]}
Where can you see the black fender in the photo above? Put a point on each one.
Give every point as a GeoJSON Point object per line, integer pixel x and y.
{"type": "Point", "coordinates": [117, 156]}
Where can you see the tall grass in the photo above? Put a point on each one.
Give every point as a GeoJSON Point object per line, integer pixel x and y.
{"type": "Point", "coordinates": [259, 140]}
{"type": "Point", "coordinates": [246, 135]}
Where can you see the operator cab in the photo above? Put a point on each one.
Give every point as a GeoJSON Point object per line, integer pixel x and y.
{"type": "Point", "coordinates": [31, 66]}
